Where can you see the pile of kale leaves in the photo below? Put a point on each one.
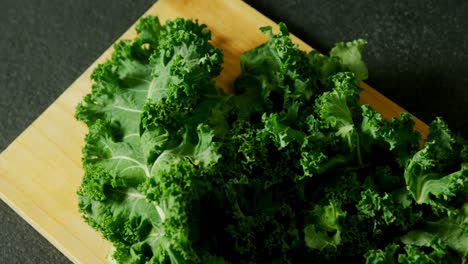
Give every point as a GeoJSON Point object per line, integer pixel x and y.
{"type": "Point", "coordinates": [288, 169]}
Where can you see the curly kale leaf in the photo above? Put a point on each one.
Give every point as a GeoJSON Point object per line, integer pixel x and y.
{"type": "Point", "coordinates": [143, 174]}
{"type": "Point", "coordinates": [434, 174]}
{"type": "Point", "coordinates": [378, 256]}
{"type": "Point", "coordinates": [388, 210]}
{"type": "Point", "coordinates": [435, 251]}
{"type": "Point", "coordinates": [451, 231]}
{"type": "Point", "coordinates": [325, 232]}
{"type": "Point", "coordinates": [398, 136]}
{"type": "Point", "coordinates": [350, 55]}
{"type": "Point", "coordinates": [334, 109]}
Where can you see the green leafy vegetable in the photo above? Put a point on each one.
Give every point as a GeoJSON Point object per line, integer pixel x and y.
{"type": "Point", "coordinates": [326, 220]}
{"type": "Point", "coordinates": [288, 169]}
{"type": "Point", "coordinates": [350, 55]}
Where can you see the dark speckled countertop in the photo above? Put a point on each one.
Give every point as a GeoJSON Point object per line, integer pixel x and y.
{"type": "Point", "coordinates": [416, 56]}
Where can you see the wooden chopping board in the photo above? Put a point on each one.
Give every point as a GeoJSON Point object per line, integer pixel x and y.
{"type": "Point", "coordinates": [41, 170]}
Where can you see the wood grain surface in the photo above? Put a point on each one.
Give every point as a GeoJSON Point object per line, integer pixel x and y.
{"type": "Point", "coordinates": [41, 170]}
